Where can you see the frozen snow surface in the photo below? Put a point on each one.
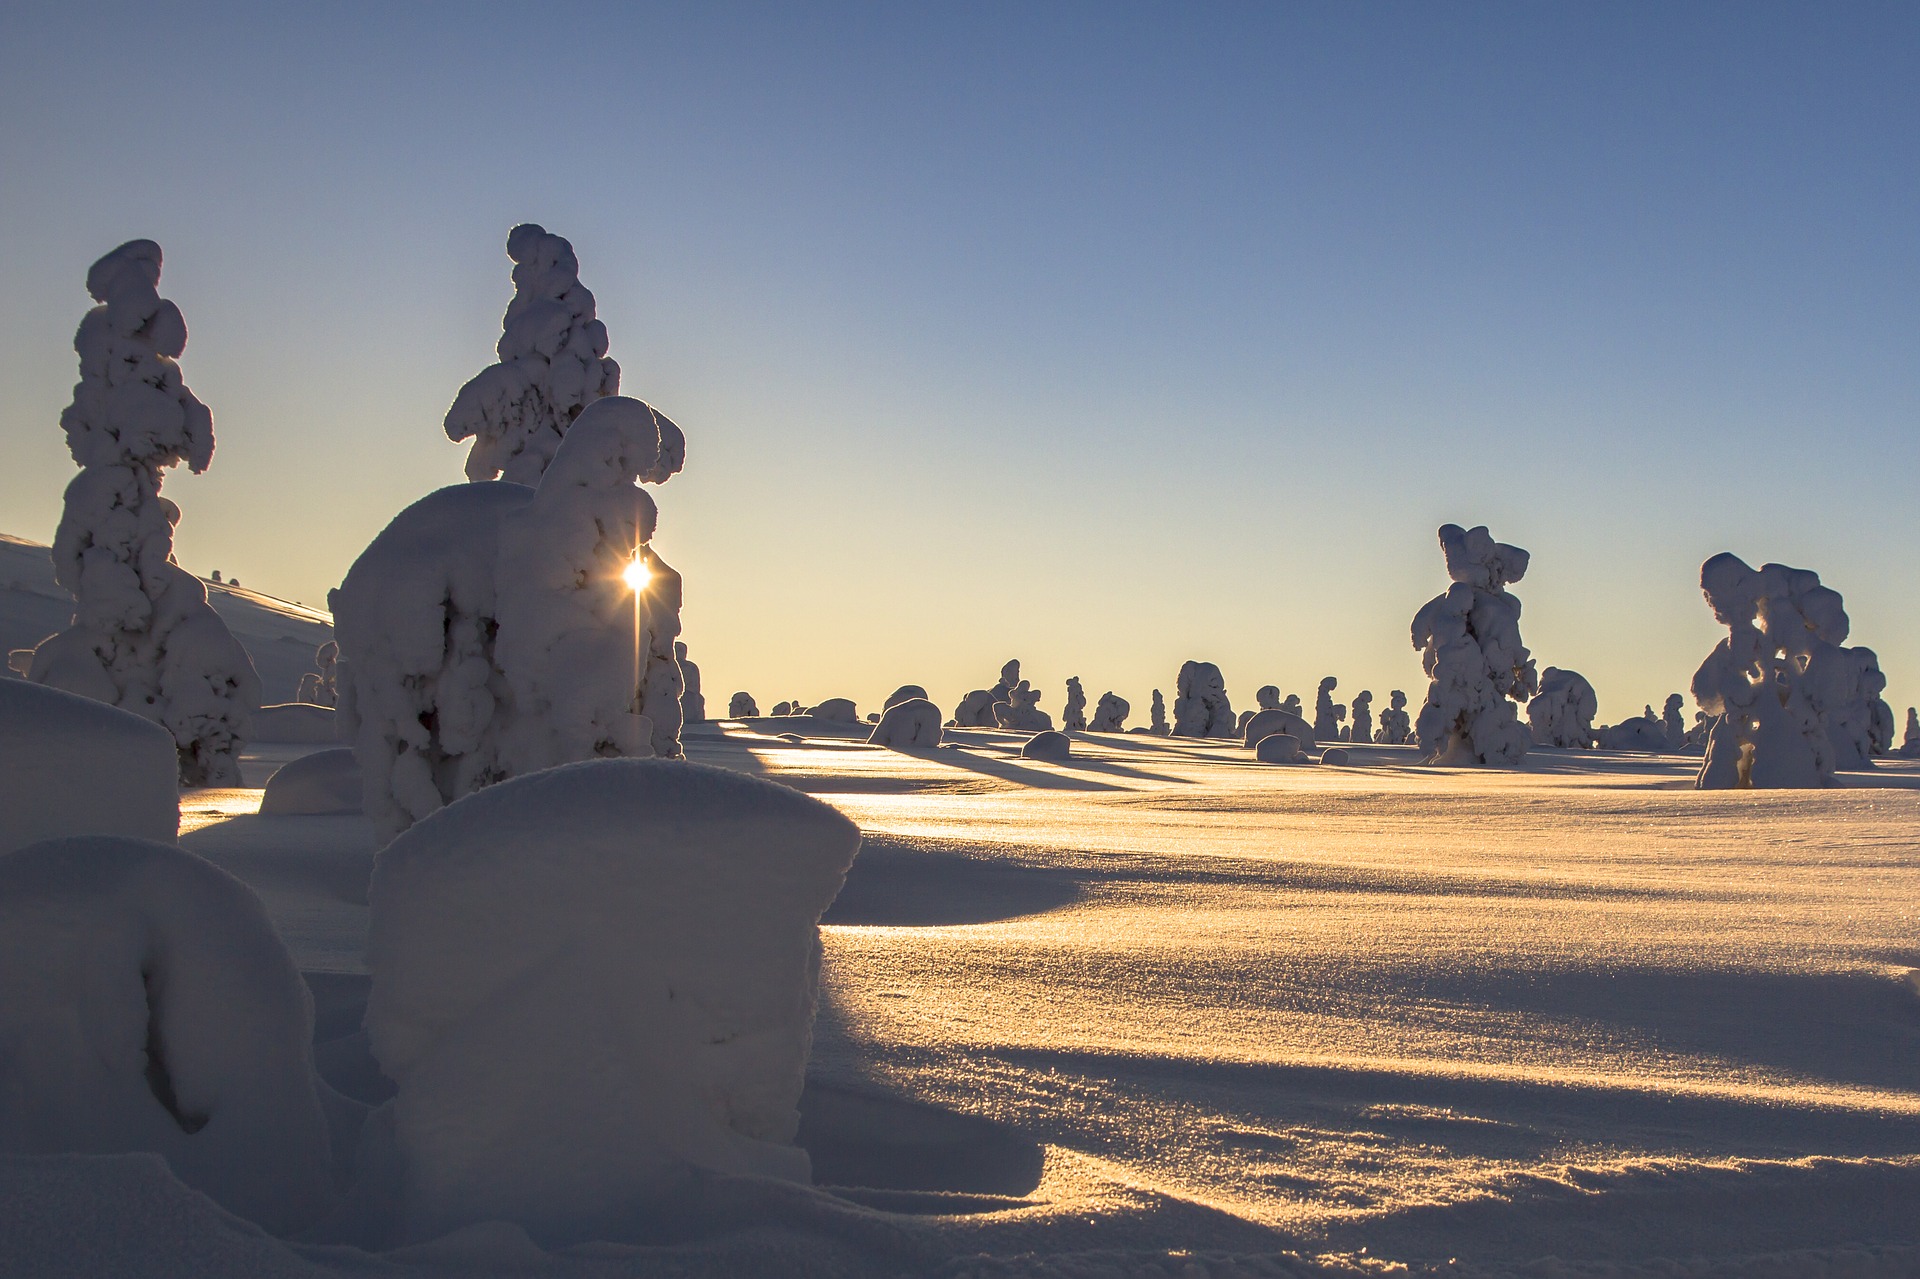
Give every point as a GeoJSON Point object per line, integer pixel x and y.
{"type": "Point", "coordinates": [1790, 704]}
{"type": "Point", "coordinates": [72, 766]}
{"type": "Point", "coordinates": [553, 363]}
{"type": "Point", "coordinates": [1110, 714]}
{"type": "Point", "coordinates": [589, 983]}
{"type": "Point", "coordinates": [1561, 713]}
{"type": "Point", "coordinates": [1469, 642]}
{"type": "Point", "coordinates": [142, 635]}
{"type": "Point", "coordinates": [489, 631]}
{"type": "Point", "coordinates": [307, 722]}
{"type": "Point", "coordinates": [146, 1004]}
{"type": "Point", "coordinates": [1156, 1009]}
{"type": "Point", "coordinates": [913, 724]}
{"type": "Point", "coordinates": [1200, 706]}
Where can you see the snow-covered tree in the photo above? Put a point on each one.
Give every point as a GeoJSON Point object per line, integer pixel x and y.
{"type": "Point", "coordinates": [143, 636]}
{"type": "Point", "coordinates": [1396, 726]}
{"type": "Point", "coordinates": [976, 708]}
{"type": "Point", "coordinates": [320, 686]}
{"type": "Point", "coordinates": [1326, 724]}
{"type": "Point", "coordinates": [693, 704]}
{"type": "Point", "coordinates": [1910, 741]}
{"type": "Point", "coordinates": [742, 706]}
{"type": "Point", "coordinates": [553, 363]}
{"type": "Point", "coordinates": [1561, 714]}
{"type": "Point", "coordinates": [494, 629]}
{"type": "Point", "coordinates": [1766, 731]}
{"type": "Point", "coordinates": [1158, 722]}
{"type": "Point", "coordinates": [1672, 724]}
{"type": "Point", "coordinates": [1110, 714]}
{"type": "Point", "coordinates": [1073, 716]}
{"type": "Point", "coordinates": [1470, 646]}
{"type": "Point", "coordinates": [1267, 698]}
{"type": "Point", "coordinates": [1021, 711]}
{"type": "Point", "coordinates": [1200, 705]}
{"type": "Point", "coordinates": [1362, 727]}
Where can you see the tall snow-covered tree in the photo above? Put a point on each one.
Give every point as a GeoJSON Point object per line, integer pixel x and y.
{"type": "Point", "coordinates": [143, 636]}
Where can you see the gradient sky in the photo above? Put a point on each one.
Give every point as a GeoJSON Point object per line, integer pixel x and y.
{"type": "Point", "coordinates": [1105, 336]}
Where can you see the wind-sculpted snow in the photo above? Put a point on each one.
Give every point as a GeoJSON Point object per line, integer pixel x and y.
{"type": "Point", "coordinates": [912, 724]}
{"type": "Point", "coordinates": [1073, 716]}
{"type": "Point", "coordinates": [1200, 705]}
{"type": "Point", "coordinates": [143, 636]}
{"type": "Point", "coordinates": [489, 632]}
{"type": "Point", "coordinates": [590, 983]}
{"type": "Point", "coordinates": [146, 1005]}
{"type": "Point", "coordinates": [1790, 705]}
{"type": "Point", "coordinates": [1561, 714]}
{"type": "Point", "coordinates": [553, 363]}
{"type": "Point", "coordinates": [1110, 714]}
{"type": "Point", "coordinates": [1476, 666]}
{"type": "Point", "coordinates": [73, 766]}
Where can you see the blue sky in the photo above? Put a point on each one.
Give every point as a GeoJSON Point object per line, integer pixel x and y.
{"type": "Point", "coordinates": [1104, 336]}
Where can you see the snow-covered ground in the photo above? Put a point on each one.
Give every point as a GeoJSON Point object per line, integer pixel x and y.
{"type": "Point", "coordinates": [280, 636]}
{"type": "Point", "coordinates": [1158, 1009]}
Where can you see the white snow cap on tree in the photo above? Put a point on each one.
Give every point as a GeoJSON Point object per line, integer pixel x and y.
{"type": "Point", "coordinates": [1200, 706]}
{"type": "Point", "coordinates": [320, 686]}
{"type": "Point", "coordinates": [553, 363]}
{"type": "Point", "coordinates": [591, 982]}
{"type": "Point", "coordinates": [1779, 683]}
{"type": "Point", "coordinates": [1110, 714]}
{"type": "Point", "coordinates": [693, 704]}
{"type": "Point", "coordinates": [910, 724]}
{"type": "Point", "coordinates": [742, 706]}
{"type": "Point", "coordinates": [1326, 721]}
{"type": "Point", "coordinates": [143, 636]}
{"type": "Point", "coordinates": [1470, 646]}
{"type": "Point", "coordinates": [1562, 713]}
{"type": "Point", "coordinates": [1021, 711]}
{"type": "Point", "coordinates": [1073, 717]}
{"type": "Point", "coordinates": [489, 630]}
{"type": "Point", "coordinates": [1910, 742]}
{"type": "Point", "coordinates": [1396, 726]}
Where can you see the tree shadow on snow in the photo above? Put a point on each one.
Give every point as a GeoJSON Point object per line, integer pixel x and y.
{"type": "Point", "coordinates": [904, 882]}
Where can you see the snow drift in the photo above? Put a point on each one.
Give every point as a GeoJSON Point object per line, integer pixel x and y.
{"type": "Point", "coordinates": [589, 981]}
{"type": "Point", "coordinates": [146, 1004]}
{"type": "Point", "coordinates": [73, 766]}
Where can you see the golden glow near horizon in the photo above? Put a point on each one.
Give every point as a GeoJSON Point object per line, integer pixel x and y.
{"type": "Point", "coordinates": [637, 573]}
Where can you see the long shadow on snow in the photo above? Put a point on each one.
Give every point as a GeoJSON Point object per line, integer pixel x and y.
{"type": "Point", "coordinates": [906, 882]}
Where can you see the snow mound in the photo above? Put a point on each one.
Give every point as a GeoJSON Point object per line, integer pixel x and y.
{"type": "Point", "coordinates": [591, 980]}
{"type": "Point", "coordinates": [837, 710]}
{"type": "Point", "coordinates": [323, 784]}
{"type": "Point", "coordinates": [1265, 724]}
{"type": "Point", "coordinates": [1047, 745]}
{"type": "Point", "coordinates": [910, 725]}
{"type": "Point", "coordinates": [75, 766]}
{"type": "Point", "coordinates": [298, 722]}
{"type": "Point", "coordinates": [148, 1006]}
{"type": "Point", "coordinates": [1335, 755]}
{"type": "Point", "coordinates": [1561, 714]}
{"type": "Point", "coordinates": [1278, 748]}
{"type": "Point", "coordinates": [1200, 706]}
{"type": "Point", "coordinates": [905, 693]}
{"type": "Point", "coordinates": [1471, 651]}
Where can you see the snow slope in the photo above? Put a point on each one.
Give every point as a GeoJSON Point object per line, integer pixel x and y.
{"type": "Point", "coordinates": [1159, 1009]}
{"type": "Point", "coordinates": [278, 635]}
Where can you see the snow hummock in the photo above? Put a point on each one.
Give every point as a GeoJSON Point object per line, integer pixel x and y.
{"type": "Point", "coordinates": [589, 982]}
{"type": "Point", "coordinates": [296, 722]}
{"type": "Point", "coordinates": [489, 631]}
{"type": "Point", "coordinates": [146, 1004]}
{"type": "Point", "coordinates": [837, 710]}
{"type": "Point", "coordinates": [1073, 716]}
{"type": "Point", "coordinates": [553, 364]}
{"type": "Point", "coordinates": [1021, 711]}
{"type": "Point", "coordinates": [1278, 748]}
{"type": "Point", "coordinates": [1110, 714]}
{"type": "Point", "coordinates": [142, 636]}
{"type": "Point", "coordinates": [1561, 713]}
{"type": "Point", "coordinates": [742, 706]}
{"type": "Point", "coordinates": [1765, 682]}
{"type": "Point", "coordinates": [1047, 745]}
{"type": "Point", "coordinates": [74, 766]}
{"type": "Point", "coordinates": [1200, 706]}
{"type": "Point", "coordinates": [913, 724]}
{"type": "Point", "coordinates": [1266, 723]}
{"type": "Point", "coordinates": [320, 784]}
{"type": "Point", "coordinates": [1641, 733]}
{"type": "Point", "coordinates": [1471, 651]}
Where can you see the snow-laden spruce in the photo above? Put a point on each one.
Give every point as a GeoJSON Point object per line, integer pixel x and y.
{"type": "Point", "coordinates": [911, 724]}
{"type": "Point", "coordinates": [1396, 726]}
{"type": "Point", "coordinates": [1326, 716]}
{"type": "Point", "coordinates": [1200, 706]}
{"type": "Point", "coordinates": [1073, 716]}
{"type": "Point", "coordinates": [976, 708]}
{"type": "Point", "coordinates": [143, 636]}
{"type": "Point", "coordinates": [1469, 642]}
{"type": "Point", "coordinates": [553, 363]}
{"type": "Point", "coordinates": [492, 629]}
{"type": "Point", "coordinates": [1790, 704]}
{"type": "Point", "coordinates": [74, 766]}
{"type": "Point", "coordinates": [693, 703]}
{"type": "Point", "coordinates": [1361, 730]}
{"type": "Point", "coordinates": [742, 706]}
{"type": "Point", "coordinates": [1021, 711]}
{"type": "Point", "coordinates": [589, 983]}
{"type": "Point", "coordinates": [1561, 713]}
{"type": "Point", "coordinates": [146, 1004]}
{"type": "Point", "coordinates": [1110, 714]}
{"type": "Point", "coordinates": [1674, 726]}
{"type": "Point", "coordinates": [320, 686]}
{"type": "Point", "coordinates": [1157, 722]}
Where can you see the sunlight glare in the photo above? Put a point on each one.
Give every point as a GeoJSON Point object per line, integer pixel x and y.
{"type": "Point", "coordinates": [637, 574]}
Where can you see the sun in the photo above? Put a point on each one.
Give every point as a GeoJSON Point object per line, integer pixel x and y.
{"type": "Point", "coordinates": [637, 574]}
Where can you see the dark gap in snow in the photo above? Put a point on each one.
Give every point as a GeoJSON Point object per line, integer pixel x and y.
{"type": "Point", "coordinates": [158, 1081]}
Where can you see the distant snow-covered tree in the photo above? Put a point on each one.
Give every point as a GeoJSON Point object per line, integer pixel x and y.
{"type": "Point", "coordinates": [143, 636]}
{"type": "Point", "coordinates": [1073, 716]}
{"type": "Point", "coordinates": [1471, 651]}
